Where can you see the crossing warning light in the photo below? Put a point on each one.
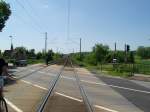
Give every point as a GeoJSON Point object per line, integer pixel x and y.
{"type": "Point", "coordinates": [128, 48]}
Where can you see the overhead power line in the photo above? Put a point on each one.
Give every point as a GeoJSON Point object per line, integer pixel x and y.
{"type": "Point", "coordinates": [23, 21]}
{"type": "Point", "coordinates": [30, 16]}
{"type": "Point", "coordinates": [68, 19]}
{"type": "Point", "coordinates": [35, 13]}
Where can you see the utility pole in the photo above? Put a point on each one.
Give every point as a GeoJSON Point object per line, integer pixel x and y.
{"type": "Point", "coordinates": [73, 50]}
{"type": "Point", "coordinates": [125, 53]}
{"type": "Point", "coordinates": [11, 38]}
{"type": "Point", "coordinates": [45, 42]}
{"type": "Point", "coordinates": [114, 58]}
{"type": "Point", "coordinates": [115, 50]}
{"type": "Point", "coordinates": [80, 48]}
{"type": "Point", "coordinates": [115, 47]}
{"type": "Point", "coordinates": [46, 61]}
{"type": "Point", "coordinates": [11, 42]}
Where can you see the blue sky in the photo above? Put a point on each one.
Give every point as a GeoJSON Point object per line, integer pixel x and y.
{"type": "Point", "coordinates": [95, 21]}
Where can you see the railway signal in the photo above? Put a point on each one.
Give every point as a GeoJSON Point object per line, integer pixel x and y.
{"type": "Point", "coordinates": [128, 48]}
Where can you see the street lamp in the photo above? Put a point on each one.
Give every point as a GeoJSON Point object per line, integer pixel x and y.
{"type": "Point", "coordinates": [11, 38]}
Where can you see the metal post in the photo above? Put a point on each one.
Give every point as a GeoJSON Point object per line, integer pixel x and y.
{"type": "Point", "coordinates": [115, 52]}
{"type": "Point", "coordinates": [115, 47]}
{"type": "Point", "coordinates": [45, 42]}
{"type": "Point", "coordinates": [80, 48]}
{"type": "Point", "coordinates": [45, 48]}
{"type": "Point", "coordinates": [125, 53]}
{"type": "Point", "coordinates": [11, 38]}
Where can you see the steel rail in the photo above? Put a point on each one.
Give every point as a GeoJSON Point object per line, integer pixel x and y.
{"type": "Point", "coordinates": [51, 89]}
{"type": "Point", "coordinates": [27, 68]}
{"type": "Point", "coordinates": [82, 90]}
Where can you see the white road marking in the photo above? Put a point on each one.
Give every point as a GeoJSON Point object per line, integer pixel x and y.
{"type": "Point", "coordinates": [32, 70]}
{"type": "Point", "coordinates": [90, 82]}
{"type": "Point", "coordinates": [26, 68]}
{"type": "Point", "coordinates": [35, 85]}
{"type": "Point", "coordinates": [65, 77]}
{"type": "Point", "coordinates": [13, 106]}
{"type": "Point", "coordinates": [69, 97]}
{"type": "Point", "coordinates": [104, 108]}
{"type": "Point", "coordinates": [26, 82]}
{"type": "Point", "coordinates": [130, 89]}
{"type": "Point", "coordinates": [97, 106]}
{"type": "Point", "coordinates": [40, 87]}
{"type": "Point", "coordinates": [47, 73]}
{"type": "Point", "coordinates": [41, 72]}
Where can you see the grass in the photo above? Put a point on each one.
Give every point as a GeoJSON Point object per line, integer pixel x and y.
{"type": "Point", "coordinates": [145, 61]}
{"type": "Point", "coordinates": [34, 61]}
{"type": "Point", "coordinates": [142, 65]}
{"type": "Point", "coordinates": [138, 60]}
{"type": "Point", "coordinates": [122, 70]}
{"type": "Point", "coordinates": [108, 70]}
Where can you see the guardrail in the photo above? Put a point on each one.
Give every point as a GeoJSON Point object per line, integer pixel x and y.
{"type": "Point", "coordinates": [83, 92]}
{"type": "Point", "coordinates": [50, 91]}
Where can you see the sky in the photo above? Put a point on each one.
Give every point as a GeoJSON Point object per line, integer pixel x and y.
{"type": "Point", "coordinates": [95, 21]}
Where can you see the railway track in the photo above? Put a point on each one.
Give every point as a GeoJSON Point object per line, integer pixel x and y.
{"type": "Point", "coordinates": [61, 94]}
{"type": "Point", "coordinates": [31, 70]}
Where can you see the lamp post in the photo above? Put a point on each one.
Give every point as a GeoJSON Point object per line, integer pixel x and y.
{"type": "Point", "coordinates": [11, 38]}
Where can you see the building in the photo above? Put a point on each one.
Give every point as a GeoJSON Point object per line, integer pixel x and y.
{"type": "Point", "coordinates": [9, 53]}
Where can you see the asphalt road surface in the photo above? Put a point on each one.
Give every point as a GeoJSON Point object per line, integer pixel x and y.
{"type": "Point", "coordinates": [107, 94]}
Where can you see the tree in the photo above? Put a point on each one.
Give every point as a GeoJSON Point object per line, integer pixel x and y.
{"type": "Point", "coordinates": [57, 56]}
{"type": "Point", "coordinates": [39, 55]}
{"type": "Point", "coordinates": [20, 53]}
{"type": "Point", "coordinates": [100, 52]}
{"type": "Point", "coordinates": [120, 56]}
{"type": "Point", "coordinates": [31, 53]}
{"type": "Point", "coordinates": [90, 58]}
{"type": "Point", "coordinates": [0, 53]}
{"type": "Point", "coordinates": [49, 56]}
{"type": "Point", "coordinates": [5, 12]}
{"type": "Point", "coordinates": [143, 52]}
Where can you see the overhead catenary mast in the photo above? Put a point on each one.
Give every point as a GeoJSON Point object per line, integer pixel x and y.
{"type": "Point", "coordinates": [45, 42]}
{"type": "Point", "coordinates": [80, 48]}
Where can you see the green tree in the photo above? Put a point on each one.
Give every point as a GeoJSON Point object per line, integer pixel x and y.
{"type": "Point", "coordinates": [143, 52]}
{"type": "Point", "coordinates": [100, 51]}
{"type": "Point", "coordinates": [39, 55]}
{"type": "Point", "coordinates": [0, 53]}
{"type": "Point", "coordinates": [109, 57]}
{"type": "Point", "coordinates": [5, 12]}
{"type": "Point", "coordinates": [31, 53]}
{"type": "Point", "coordinates": [20, 53]}
{"type": "Point", "coordinates": [57, 56]}
{"type": "Point", "coordinates": [120, 56]}
{"type": "Point", "coordinates": [90, 58]}
{"type": "Point", "coordinates": [50, 55]}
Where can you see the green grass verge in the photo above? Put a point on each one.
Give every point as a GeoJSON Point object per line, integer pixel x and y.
{"type": "Point", "coordinates": [108, 71]}
{"type": "Point", "coordinates": [122, 70]}
{"type": "Point", "coordinates": [34, 61]}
